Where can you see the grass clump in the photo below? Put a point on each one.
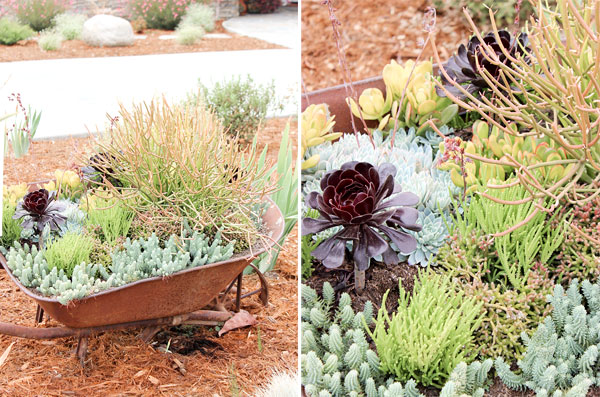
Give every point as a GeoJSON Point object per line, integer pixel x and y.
{"type": "Point", "coordinates": [189, 34]}
{"type": "Point", "coordinates": [12, 31]}
{"type": "Point", "coordinates": [50, 41]}
{"type": "Point", "coordinates": [112, 218]}
{"type": "Point", "coordinates": [431, 332]}
{"type": "Point", "coordinates": [240, 104]}
{"type": "Point", "coordinates": [69, 26]}
{"type": "Point", "coordinates": [178, 164]}
{"type": "Point", "coordinates": [69, 251]}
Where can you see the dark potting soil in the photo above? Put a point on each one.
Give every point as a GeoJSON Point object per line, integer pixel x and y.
{"type": "Point", "coordinates": [379, 278]}
{"type": "Point", "coordinates": [184, 340]}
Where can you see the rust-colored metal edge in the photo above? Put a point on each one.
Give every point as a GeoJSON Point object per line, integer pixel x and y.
{"type": "Point", "coordinates": [335, 98]}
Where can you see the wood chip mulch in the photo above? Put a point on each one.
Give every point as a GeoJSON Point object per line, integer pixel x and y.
{"type": "Point", "coordinates": [28, 50]}
{"type": "Point", "coordinates": [373, 33]}
{"type": "Point", "coordinates": [119, 364]}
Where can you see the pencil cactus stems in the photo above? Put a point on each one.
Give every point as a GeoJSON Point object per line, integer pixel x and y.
{"type": "Point", "coordinates": [316, 127]}
{"type": "Point", "coordinates": [552, 162]}
{"type": "Point", "coordinates": [552, 91]}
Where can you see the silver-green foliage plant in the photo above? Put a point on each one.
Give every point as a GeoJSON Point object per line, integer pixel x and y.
{"type": "Point", "coordinates": [468, 380]}
{"type": "Point", "coordinates": [50, 40]}
{"type": "Point", "coordinates": [199, 15]}
{"type": "Point", "coordinates": [416, 161]}
{"type": "Point", "coordinates": [68, 251]}
{"type": "Point", "coordinates": [430, 333]}
{"type": "Point", "coordinates": [189, 34]}
{"type": "Point", "coordinates": [562, 356]}
{"type": "Point", "coordinates": [69, 26]}
{"type": "Point", "coordinates": [137, 260]}
{"type": "Point", "coordinates": [336, 360]}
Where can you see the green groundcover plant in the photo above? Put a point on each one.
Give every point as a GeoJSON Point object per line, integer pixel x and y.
{"type": "Point", "coordinates": [430, 333]}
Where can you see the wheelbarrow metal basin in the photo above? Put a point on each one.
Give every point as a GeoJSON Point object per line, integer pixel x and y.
{"type": "Point", "coordinates": [180, 293]}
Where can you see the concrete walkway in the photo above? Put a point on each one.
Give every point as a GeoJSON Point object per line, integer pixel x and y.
{"type": "Point", "coordinates": [281, 27]}
{"type": "Point", "coordinates": [76, 94]}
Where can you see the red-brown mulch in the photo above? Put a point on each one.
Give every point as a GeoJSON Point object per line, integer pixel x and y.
{"type": "Point", "coordinates": [373, 33]}
{"type": "Point", "coordinates": [29, 50]}
{"type": "Point", "coordinates": [119, 364]}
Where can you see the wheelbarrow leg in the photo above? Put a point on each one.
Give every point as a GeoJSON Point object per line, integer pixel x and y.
{"type": "Point", "coordinates": [148, 333]}
{"type": "Point", "coordinates": [238, 293]}
{"type": "Point", "coordinates": [82, 348]}
{"type": "Point", "coordinates": [39, 315]}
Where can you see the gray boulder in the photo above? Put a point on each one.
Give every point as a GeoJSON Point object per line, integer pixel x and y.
{"type": "Point", "coordinates": [107, 31]}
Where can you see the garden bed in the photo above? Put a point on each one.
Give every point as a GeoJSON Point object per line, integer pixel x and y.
{"type": "Point", "coordinates": [29, 50]}
{"type": "Point", "coordinates": [498, 270]}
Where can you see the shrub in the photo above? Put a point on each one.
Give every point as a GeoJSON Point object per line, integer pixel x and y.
{"type": "Point", "coordinates": [50, 41]}
{"type": "Point", "coordinates": [240, 104]}
{"type": "Point", "coordinates": [431, 332]}
{"type": "Point", "coordinates": [69, 26]}
{"type": "Point", "coordinates": [39, 14]}
{"type": "Point", "coordinates": [177, 163]}
{"type": "Point", "coordinates": [189, 34]}
{"type": "Point", "coordinates": [68, 251]}
{"type": "Point", "coordinates": [159, 14]}
{"type": "Point", "coordinates": [12, 31]}
{"type": "Point", "coordinates": [199, 15]}
{"type": "Point", "coordinates": [262, 6]}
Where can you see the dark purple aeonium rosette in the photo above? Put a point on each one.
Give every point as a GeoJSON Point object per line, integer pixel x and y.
{"type": "Point", "coordinates": [467, 65]}
{"type": "Point", "coordinates": [365, 201]}
{"type": "Point", "coordinates": [40, 208]}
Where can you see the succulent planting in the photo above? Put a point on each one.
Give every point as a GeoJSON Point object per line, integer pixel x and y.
{"type": "Point", "coordinates": [39, 209]}
{"type": "Point", "coordinates": [368, 205]}
{"type": "Point", "coordinates": [476, 66]}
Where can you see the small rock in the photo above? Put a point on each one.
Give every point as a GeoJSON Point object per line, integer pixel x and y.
{"type": "Point", "coordinates": [167, 37]}
{"type": "Point", "coordinates": [107, 31]}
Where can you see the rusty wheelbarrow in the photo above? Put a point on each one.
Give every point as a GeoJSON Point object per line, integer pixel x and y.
{"type": "Point", "coordinates": [150, 303]}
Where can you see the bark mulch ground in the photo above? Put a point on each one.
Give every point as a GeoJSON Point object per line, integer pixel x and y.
{"type": "Point", "coordinates": [118, 362]}
{"type": "Point", "coordinates": [29, 50]}
{"type": "Point", "coordinates": [373, 32]}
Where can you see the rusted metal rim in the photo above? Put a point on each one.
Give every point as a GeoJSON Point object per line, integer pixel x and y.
{"type": "Point", "coordinates": [22, 331]}
{"type": "Point", "coordinates": [335, 98]}
{"type": "Point", "coordinates": [248, 257]}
